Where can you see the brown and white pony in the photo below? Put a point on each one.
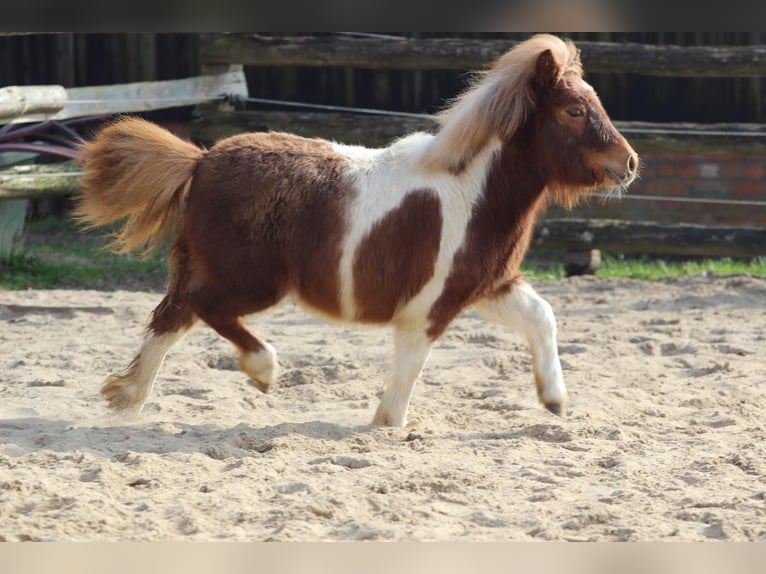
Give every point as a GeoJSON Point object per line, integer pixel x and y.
{"type": "Point", "coordinates": [405, 236]}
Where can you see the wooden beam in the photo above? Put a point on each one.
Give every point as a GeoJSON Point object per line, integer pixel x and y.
{"type": "Point", "coordinates": [650, 238]}
{"type": "Point", "coordinates": [350, 128]}
{"type": "Point", "coordinates": [145, 96]}
{"type": "Point", "coordinates": [29, 181]}
{"type": "Point", "coordinates": [375, 130]}
{"type": "Point", "coordinates": [687, 138]}
{"type": "Point", "coordinates": [19, 100]}
{"type": "Point", "coordinates": [570, 234]}
{"type": "Point", "coordinates": [407, 53]}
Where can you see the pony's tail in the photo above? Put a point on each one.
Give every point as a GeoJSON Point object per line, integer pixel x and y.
{"type": "Point", "coordinates": [139, 172]}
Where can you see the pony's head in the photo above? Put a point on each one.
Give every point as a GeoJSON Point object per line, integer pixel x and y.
{"type": "Point", "coordinates": [535, 95]}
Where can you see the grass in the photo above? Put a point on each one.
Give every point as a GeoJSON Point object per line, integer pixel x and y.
{"type": "Point", "coordinates": [547, 266]}
{"type": "Point", "coordinates": [615, 266]}
{"type": "Point", "coordinates": [58, 254]}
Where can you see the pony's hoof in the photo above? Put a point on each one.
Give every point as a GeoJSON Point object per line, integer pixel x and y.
{"type": "Point", "coordinates": [384, 419]}
{"type": "Point", "coordinates": [556, 408]}
{"type": "Point", "coordinates": [261, 367]}
{"type": "Point", "coordinates": [120, 393]}
{"type": "Point", "coordinates": [260, 385]}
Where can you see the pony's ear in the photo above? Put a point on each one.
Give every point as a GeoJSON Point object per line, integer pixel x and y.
{"type": "Point", "coordinates": [547, 71]}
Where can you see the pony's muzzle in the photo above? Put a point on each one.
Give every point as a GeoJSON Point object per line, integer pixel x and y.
{"type": "Point", "coordinates": [622, 170]}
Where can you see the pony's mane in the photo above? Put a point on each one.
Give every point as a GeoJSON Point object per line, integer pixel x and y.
{"type": "Point", "coordinates": [496, 103]}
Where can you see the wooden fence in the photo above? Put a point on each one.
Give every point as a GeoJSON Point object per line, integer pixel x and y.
{"type": "Point", "coordinates": [563, 231]}
{"type": "Point", "coordinates": [218, 52]}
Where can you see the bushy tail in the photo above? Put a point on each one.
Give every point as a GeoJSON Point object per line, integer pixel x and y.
{"type": "Point", "coordinates": [137, 171]}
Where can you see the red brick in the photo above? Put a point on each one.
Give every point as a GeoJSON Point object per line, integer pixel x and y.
{"type": "Point", "coordinates": [714, 189]}
{"type": "Point", "coordinates": [666, 169]}
{"type": "Point", "coordinates": [648, 169]}
{"type": "Point", "coordinates": [733, 170]}
{"type": "Point", "coordinates": [723, 157]}
{"type": "Point", "coordinates": [688, 169]}
{"type": "Point", "coordinates": [755, 171]}
{"type": "Point", "coordinates": [660, 187]}
{"type": "Point", "coordinates": [755, 190]}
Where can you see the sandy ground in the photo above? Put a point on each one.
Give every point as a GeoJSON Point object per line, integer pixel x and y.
{"type": "Point", "coordinates": [664, 438]}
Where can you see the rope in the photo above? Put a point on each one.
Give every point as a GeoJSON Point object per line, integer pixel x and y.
{"type": "Point", "coordinates": [5, 177]}
{"type": "Point", "coordinates": [238, 100]}
{"type": "Point", "coordinates": [178, 101]}
{"type": "Point", "coordinates": [371, 111]}
{"type": "Point", "coordinates": [347, 109]}
{"type": "Point", "coordinates": [370, 35]}
{"type": "Point", "coordinates": [683, 132]}
{"type": "Point", "coordinates": [707, 200]}
{"type": "Point", "coordinates": [658, 131]}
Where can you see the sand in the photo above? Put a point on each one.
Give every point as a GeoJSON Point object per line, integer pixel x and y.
{"type": "Point", "coordinates": [664, 438]}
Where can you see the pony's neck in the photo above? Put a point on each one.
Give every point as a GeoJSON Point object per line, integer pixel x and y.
{"type": "Point", "coordinates": [514, 182]}
{"type": "Point", "coordinates": [502, 220]}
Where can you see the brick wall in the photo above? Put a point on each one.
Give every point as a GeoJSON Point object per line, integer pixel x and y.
{"type": "Point", "coordinates": [710, 176]}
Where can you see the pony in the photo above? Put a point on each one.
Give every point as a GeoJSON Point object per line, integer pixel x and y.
{"type": "Point", "coordinates": [406, 236]}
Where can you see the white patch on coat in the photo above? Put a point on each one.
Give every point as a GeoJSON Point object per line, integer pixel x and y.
{"type": "Point", "coordinates": [382, 178]}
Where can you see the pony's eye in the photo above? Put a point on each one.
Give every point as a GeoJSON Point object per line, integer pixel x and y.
{"type": "Point", "coordinates": [576, 111]}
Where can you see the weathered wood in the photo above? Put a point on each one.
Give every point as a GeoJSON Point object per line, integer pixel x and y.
{"type": "Point", "coordinates": [144, 96]}
{"type": "Point", "coordinates": [349, 128]}
{"type": "Point", "coordinates": [581, 262]}
{"type": "Point", "coordinates": [29, 181]}
{"type": "Point", "coordinates": [12, 219]}
{"type": "Point", "coordinates": [650, 238]}
{"type": "Point", "coordinates": [687, 138]}
{"type": "Point", "coordinates": [376, 130]}
{"type": "Point", "coordinates": [475, 53]}
{"type": "Point", "coordinates": [13, 212]}
{"type": "Point", "coordinates": [570, 234]}
{"type": "Point", "coordinates": [19, 100]}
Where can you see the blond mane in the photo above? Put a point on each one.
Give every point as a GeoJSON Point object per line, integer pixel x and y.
{"type": "Point", "coordinates": [497, 102]}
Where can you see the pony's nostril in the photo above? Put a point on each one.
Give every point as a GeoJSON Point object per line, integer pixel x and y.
{"type": "Point", "coordinates": [632, 163]}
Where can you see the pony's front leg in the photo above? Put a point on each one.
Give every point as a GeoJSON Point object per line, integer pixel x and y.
{"type": "Point", "coordinates": [524, 311]}
{"type": "Point", "coordinates": [411, 349]}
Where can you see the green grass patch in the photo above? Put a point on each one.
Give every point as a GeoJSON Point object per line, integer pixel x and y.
{"type": "Point", "coordinates": [46, 269]}
{"type": "Point", "coordinates": [57, 254]}
{"type": "Point", "coordinates": [637, 268]}
{"type": "Point", "coordinates": [545, 266]}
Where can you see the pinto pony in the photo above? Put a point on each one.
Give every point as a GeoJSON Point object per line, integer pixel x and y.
{"type": "Point", "coordinates": [406, 236]}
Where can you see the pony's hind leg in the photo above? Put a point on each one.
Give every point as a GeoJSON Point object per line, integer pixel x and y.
{"type": "Point", "coordinates": [257, 359]}
{"type": "Point", "coordinates": [129, 389]}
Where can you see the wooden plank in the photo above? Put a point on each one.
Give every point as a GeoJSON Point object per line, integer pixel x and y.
{"type": "Point", "coordinates": [145, 96]}
{"type": "Point", "coordinates": [13, 212]}
{"type": "Point", "coordinates": [376, 130]}
{"type": "Point", "coordinates": [29, 181]}
{"type": "Point", "coordinates": [19, 100]}
{"type": "Point", "coordinates": [570, 234]}
{"type": "Point", "coordinates": [650, 238]}
{"type": "Point", "coordinates": [688, 138]}
{"type": "Point", "coordinates": [412, 53]}
{"type": "Point", "coordinates": [350, 128]}
{"type": "Point", "coordinates": [12, 219]}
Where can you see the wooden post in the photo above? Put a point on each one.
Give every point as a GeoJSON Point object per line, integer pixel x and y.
{"type": "Point", "coordinates": [13, 212]}
{"type": "Point", "coordinates": [582, 262]}
{"type": "Point", "coordinates": [20, 100]}
{"type": "Point", "coordinates": [207, 67]}
{"type": "Point", "coordinates": [412, 53]}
